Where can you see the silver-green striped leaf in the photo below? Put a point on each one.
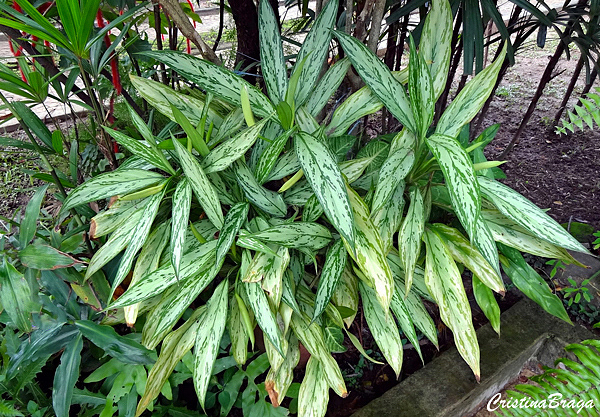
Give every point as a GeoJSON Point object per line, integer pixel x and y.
{"type": "Point", "coordinates": [313, 52]}
{"type": "Point", "coordinates": [223, 155]}
{"type": "Point", "coordinates": [462, 251]}
{"type": "Point", "coordinates": [214, 79]}
{"type": "Point", "coordinates": [383, 328]}
{"type": "Point", "coordinates": [115, 183]}
{"type": "Point", "coordinates": [141, 149]}
{"type": "Point", "coordinates": [147, 262]}
{"type": "Point", "coordinates": [325, 179]}
{"type": "Point", "coordinates": [245, 241]}
{"type": "Point", "coordinates": [296, 235]}
{"type": "Point", "coordinates": [155, 282]}
{"type": "Point", "coordinates": [236, 328]}
{"type": "Point", "coordinates": [420, 90]}
{"type": "Point", "coordinates": [487, 302]}
{"type": "Point", "coordinates": [204, 190]}
{"type": "Point", "coordinates": [379, 79]}
{"type": "Point", "coordinates": [358, 105]}
{"type": "Point", "coordinates": [138, 238]}
{"type": "Point", "coordinates": [435, 43]}
{"type": "Point", "coordinates": [335, 262]}
{"type": "Point", "coordinates": [181, 202]}
{"type": "Point", "coordinates": [266, 200]}
{"type": "Point", "coordinates": [395, 168]}
{"type": "Point", "coordinates": [327, 86]}
{"type": "Point", "coordinates": [278, 382]}
{"type": "Point", "coordinates": [409, 237]}
{"type": "Point", "coordinates": [354, 168]}
{"type": "Point", "coordinates": [312, 209]}
{"type": "Point", "coordinates": [162, 97]}
{"type": "Point", "coordinates": [404, 317]}
{"type": "Point", "coordinates": [484, 242]}
{"type": "Point", "coordinates": [269, 157]}
{"type": "Point", "coordinates": [370, 255]}
{"type": "Point", "coordinates": [208, 338]}
{"type": "Point", "coordinates": [470, 100]}
{"type": "Point", "coordinates": [445, 285]}
{"type": "Point", "coordinates": [271, 53]}
{"type": "Point", "coordinates": [114, 217]}
{"type": "Point", "coordinates": [233, 221]}
{"type": "Point", "coordinates": [388, 219]}
{"type": "Point", "coordinates": [460, 178]}
{"type": "Point", "coordinates": [264, 315]}
{"type": "Point", "coordinates": [313, 396]}
{"type": "Point", "coordinates": [286, 164]}
{"type": "Point", "coordinates": [345, 296]}
{"type": "Point", "coordinates": [272, 282]}
{"type": "Point", "coordinates": [516, 207]}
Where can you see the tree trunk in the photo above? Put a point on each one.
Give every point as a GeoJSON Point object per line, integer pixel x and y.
{"type": "Point", "coordinates": [246, 23]}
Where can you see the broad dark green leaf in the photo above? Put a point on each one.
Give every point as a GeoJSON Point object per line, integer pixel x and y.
{"type": "Point", "coordinates": [16, 297]}
{"type": "Point", "coordinates": [28, 225]}
{"type": "Point", "coordinates": [65, 377]}
{"type": "Point", "coordinates": [45, 257]}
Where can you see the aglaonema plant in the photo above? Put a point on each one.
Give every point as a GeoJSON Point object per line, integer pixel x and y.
{"type": "Point", "coordinates": [196, 221]}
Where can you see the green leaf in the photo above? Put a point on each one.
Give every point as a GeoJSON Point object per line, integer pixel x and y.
{"type": "Point", "coordinates": [203, 189]}
{"type": "Point", "coordinates": [335, 262]}
{"type": "Point", "coordinates": [460, 178]}
{"type": "Point", "coordinates": [395, 168]}
{"type": "Point", "coordinates": [530, 283]}
{"type": "Point", "coordinates": [326, 181]}
{"type": "Point", "coordinates": [420, 90]}
{"type": "Point", "coordinates": [314, 392]}
{"type": "Point", "coordinates": [445, 286]}
{"type": "Point", "coordinates": [214, 79]}
{"type": "Point", "coordinates": [65, 377]}
{"type": "Point", "coordinates": [358, 105]}
{"type": "Point", "coordinates": [470, 100]}
{"type": "Point", "coordinates": [345, 296]}
{"type": "Point", "coordinates": [312, 236]}
{"type": "Point", "coordinates": [388, 219]}
{"type": "Point", "coordinates": [278, 382]}
{"type": "Point", "coordinates": [15, 296]}
{"type": "Point", "coordinates": [45, 257]}
{"type": "Point", "coordinates": [119, 347]}
{"type": "Point", "coordinates": [384, 329]}
{"type": "Point", "coordinates": [115, 183]}
{"type": "Point", "coordinates": [28, 225]}
{"type": "Point", "coordinates": [144, 151]}
{"type": "Point", "coordinates": [266, 200]}
{"type": "Point", "coordinates": [488, 304]}
{"type": "Point", "coordinates": [379, 79]}
{"type": "Point", "coordinates": [268, 159]}
{"type": "Point", "coordinates": [180, 214]}
{"type": "Point", "coordinates": [463, 252]}
{"type": "Point", "coordinates": [233, 221]}
{"type": "Point", "coordinates": [226, 153]}
{"type": "Point", "coordinates": [313, 52]}
{"type": "Point", "coordinates": [271, 53]}
{"type": "Point", "coordinates": [404, 317]}
{"type": "Point", "coordinates": [409, 237]}
{"type": "Point", "coordinates": [208, 339]}
{"type": "Point", "coordinates": [263, 314]}
{"type": "Point", "coordinates": [516, 207]}
{"type": "Point", "coordinates": [326, 87]}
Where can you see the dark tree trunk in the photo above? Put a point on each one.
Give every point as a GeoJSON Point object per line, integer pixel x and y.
{"type": "Point", "coordinates": [246, 23]}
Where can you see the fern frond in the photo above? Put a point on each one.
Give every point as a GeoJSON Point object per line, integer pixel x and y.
{"type": "Point", "coordinates": [587, 112]}
{"type": "Point", "coordinates": [576, 385]}
{"type": "Point", "coordinates": [7, 409]}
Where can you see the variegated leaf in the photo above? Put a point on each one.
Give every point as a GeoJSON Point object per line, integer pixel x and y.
{"type": "Point", "coordinates": [312, 236]}
{"type": "Point", "coordinates": [484, 242]}
{"type": "Point", "coordinates": [245, 241]}
{"type": "Point", "coordinates": [237, 333]}
{"type": "Point", "coordinates": [270, 156]}
{"type": "Point", "coordinates": [287, 164]}
{"type": "Point", "coordinates": [327, 86]}
{"type": "Point", "coordinates": [278, 382]}
{"type": "Point", "coordinates": [174, 348]}
{"type": "Point", "coordinates": [335, 262]}
{"type": "Point", "coordinates": [327, 183]}
{"type": "Point", "coordinates": [470, 99]}
{"type": "Point", "coordinates": [460, 178]}
{"type": "Point", "coordinates": [487, 302]}
{"type": "Point", "coordinates": [266, 200]}
{"type": "Point", "coordinates": [395, 168]}
{"type": "Point", "coordinates": [388, 219]}
{"type": "Point", "coordinates": [313, 52]}
{"type": "Point", "coordinates": [271, 53]}
{"type": "Point", "coordinates": [312, 209]}
{"type": "Point", "coordinates": [409, 237]}
{"type": "Point", "coordinates": [383, 328]}
{"type": "Point", "coordinates": [369, 255]}
{"type": "Point", "coordinates": [233, 221]}
{"type": "Point", "coordinates": [314, 392]}
{"type": "Point", "coordinates": [272, 282]}
{"type": "Point", "coordinates": [115, 183]}
{"type": "Point", "coordinates": [208, 339]}
{"type": "Point", "coordinates": [182, 201]}
{"type": "Point", "coordinates": [306, 121]}
{"type": "Point", "coordinates": [358, 105]}
{"type": "Point", "coordinates": [264, 315]}
{"type": "Point", "coordinates": [405, 321]}
{"type": "Point", "coordinates": [420, 91]}
{"type": "Point", "coordinates": [204, 190]}
{"type": "Point", "coordinates": [214, 79]}
{"type": "Point", "coordinates": [379, 79]}
{"type": "Point", "coordinates": [462, 251]}
{"type": "Point", "coordinates": [445, 285]}
{"type": "Point", "coordinates": [223, 155]}
{"type": "Point", "coordinates": [435, 43]}
{"type": "Point", "coordinates": [111, 219]}
{"type": "Point", "coordinates": [516, 207]}
{"type": "Point", "coordinates": [354, 168]}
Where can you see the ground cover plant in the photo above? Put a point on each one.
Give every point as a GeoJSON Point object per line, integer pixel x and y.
{"type": "Point", "coordinates": [260, 223]}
